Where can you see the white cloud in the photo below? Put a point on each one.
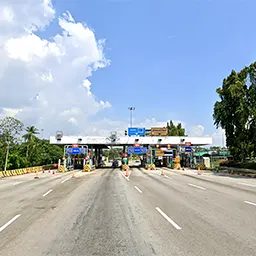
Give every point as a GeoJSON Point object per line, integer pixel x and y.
{"type": "Point", "coordinates": [197, 130]}
{"type": "Point", "coordinates": [45, 82]}
{"type": "Point", "coordinates": [104, 126]}
{"type": "Point", "coordinates": [219, 138]}
{"type": "Point", "coordinates": [12, 112]}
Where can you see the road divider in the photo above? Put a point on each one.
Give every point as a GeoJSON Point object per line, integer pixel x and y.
{"type": "Point", "coordinates": [138, 189]}
{"type": "Point", "coordinates": [62, 168]}
{"type": "Point", "coordinates": [150, 167]}
{"type": "Point", "coordinates": [87, 168]}
{"type": "Point", "coordinates": [48, 192]}
{"type": "Point", "coordinates": [195, 186]}
{"type": "Point", "coordinates": [168, 218]}
{"type": "Point", "coordinates": [9, 222]}
{"type": "Point", "coordinates": [251, 203]}
{"type": "Point", "coordinates": [22, 171]}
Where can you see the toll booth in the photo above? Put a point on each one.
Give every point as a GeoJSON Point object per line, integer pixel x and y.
{"type": "Point", "coordinates": [76, 155]}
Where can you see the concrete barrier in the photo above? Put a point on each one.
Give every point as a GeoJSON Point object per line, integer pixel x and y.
{"type": "Point", "coordinates": [21, 171]}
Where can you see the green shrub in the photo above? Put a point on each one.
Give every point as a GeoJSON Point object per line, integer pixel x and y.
{"type": "Point", "coordinates": [248, 165]}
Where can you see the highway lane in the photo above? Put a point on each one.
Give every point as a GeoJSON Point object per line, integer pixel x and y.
{"type": "Point", "coordinates": [99, 214]}
{"type": "Point", "coordinates": [18, 192]}
{"type": "Point", "coordinates": [241, 189]}
{"type": "Point", "coordinates": [105, 213]}
{"type": "Point", "coordinates": [243, 183]}
{"type": "Point", "coordinates": [214, 221]}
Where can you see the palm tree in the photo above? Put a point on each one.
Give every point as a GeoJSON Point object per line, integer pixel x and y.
{"type": "Point", "coordinates": [30, 136]}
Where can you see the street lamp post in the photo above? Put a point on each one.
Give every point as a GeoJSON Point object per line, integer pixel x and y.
{"type": "Point", "coordinates": [7, 155]}
{"type": "Point", "coordinates": [131, 109]}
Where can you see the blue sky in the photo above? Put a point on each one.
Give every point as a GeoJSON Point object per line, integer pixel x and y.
{"type": "Point", "coordinates": [167, 56]}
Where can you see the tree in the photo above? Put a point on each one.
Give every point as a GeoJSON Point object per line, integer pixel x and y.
{"type": "Point", "coordinates": [30, 137]}
{"type": "Point", "coordinates": [236, 111]}
{"type": "Point", "coordinates": [10, 129]}
{"type": "Point", "coordinates": [175, 130]}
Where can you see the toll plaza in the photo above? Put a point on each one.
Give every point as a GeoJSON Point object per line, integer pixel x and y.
{"type": "Point", "coordinates": [156, 147]}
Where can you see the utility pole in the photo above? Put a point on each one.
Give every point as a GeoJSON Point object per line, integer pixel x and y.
{"type": "Point", "coordinates": [7, 155]}
{"type": "Point", "coordinates": [131, 109]}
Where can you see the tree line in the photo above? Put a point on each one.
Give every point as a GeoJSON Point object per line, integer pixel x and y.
{"type": "Point", "coordinates": [235, 112]}
{"type": "Point", "coordinates": [20, 146]}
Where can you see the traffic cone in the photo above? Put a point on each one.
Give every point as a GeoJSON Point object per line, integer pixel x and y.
{"type": "Point", "coordinates": [73, 174]}
{"type": "Point", "coordinates": [126, 172]}
{"type": "Point", "coordinates": [198, 170]}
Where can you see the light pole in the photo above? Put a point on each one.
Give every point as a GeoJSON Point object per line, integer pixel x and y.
{"type": "Point", "coordinates": [7, 154]}
{"type": "Point", "coordinates": [131, 109]}
{"type": "Point", "coordinates": [42, 130]}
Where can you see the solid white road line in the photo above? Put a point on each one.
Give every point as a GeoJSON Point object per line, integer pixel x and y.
{"type": "Point", "coordinates": [138, 189]}
{"type": "Point", "coordinates": [66, 180]}
{"type": "Point", "coordinates": [48, 192]}
{"type": "Point", "coordinates": [168, 218]}
{"type": "Point", "coordinates": [167, 177]}
{"type": "Point", "coordinates": [17, 183]}
{"type": "Point", "coordinates": [192, 185]}
{"type": "Point", "coordinates": [247, 202]}
{"type": "Point", "coordinates": [9, 222]}
{"type": "Point", "coordinates": [246, 184]}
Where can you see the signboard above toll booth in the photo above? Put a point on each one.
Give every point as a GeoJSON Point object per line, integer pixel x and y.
{"type": "Point", "coordinates": [75, 151]}
{"type": "Point", "coordinates": [159, 131]}
{"type": "Point", "coordinates": [138, 151]}
{"type": "Point", "coordinates": [159, 153]}
{"type": "Point", "coordinates": [185, 149]}
{"type": "Point", "coordinates": [168, 153]}
{"type": "Point", "coordinates": [75, 146]}
{"type": "Point", "coordinates": [136, 131]}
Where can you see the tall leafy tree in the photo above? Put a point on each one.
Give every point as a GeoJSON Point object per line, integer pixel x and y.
{"type": "Point", "coordinates": [10, 129]}
{"type": "Point", "coordinates": [175, 130]}
{"type": "Point", "coordinates": [235, 111]}
{"type": "Point", "coordinates": [30, 137]}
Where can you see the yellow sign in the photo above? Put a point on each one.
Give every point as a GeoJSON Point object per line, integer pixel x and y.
{"type": "Point", "coordinates": [159, 153]}
{"type": "Point", "coordinates": [159, 131]}
{"type": "Point", "coordinates": [177, 160]}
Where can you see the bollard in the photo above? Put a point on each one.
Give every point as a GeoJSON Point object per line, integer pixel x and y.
{"type": "Point", "coordinates": [36, 177]}
{"type": "Point", "coordinates": [198, 170]}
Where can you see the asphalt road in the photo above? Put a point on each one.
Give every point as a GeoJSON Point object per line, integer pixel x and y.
{"type": "Point", "coordinates": [105, 213]}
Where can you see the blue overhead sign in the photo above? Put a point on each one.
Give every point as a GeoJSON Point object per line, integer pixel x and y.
{"type": "Point", "coordinates": [139, 150]}
{"type": "Point", "coordinates": [186, 149]}
{"type": "Point", "coordinates": [136, 131]}
{"type": "Point", "coordinates": [75, 151]}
